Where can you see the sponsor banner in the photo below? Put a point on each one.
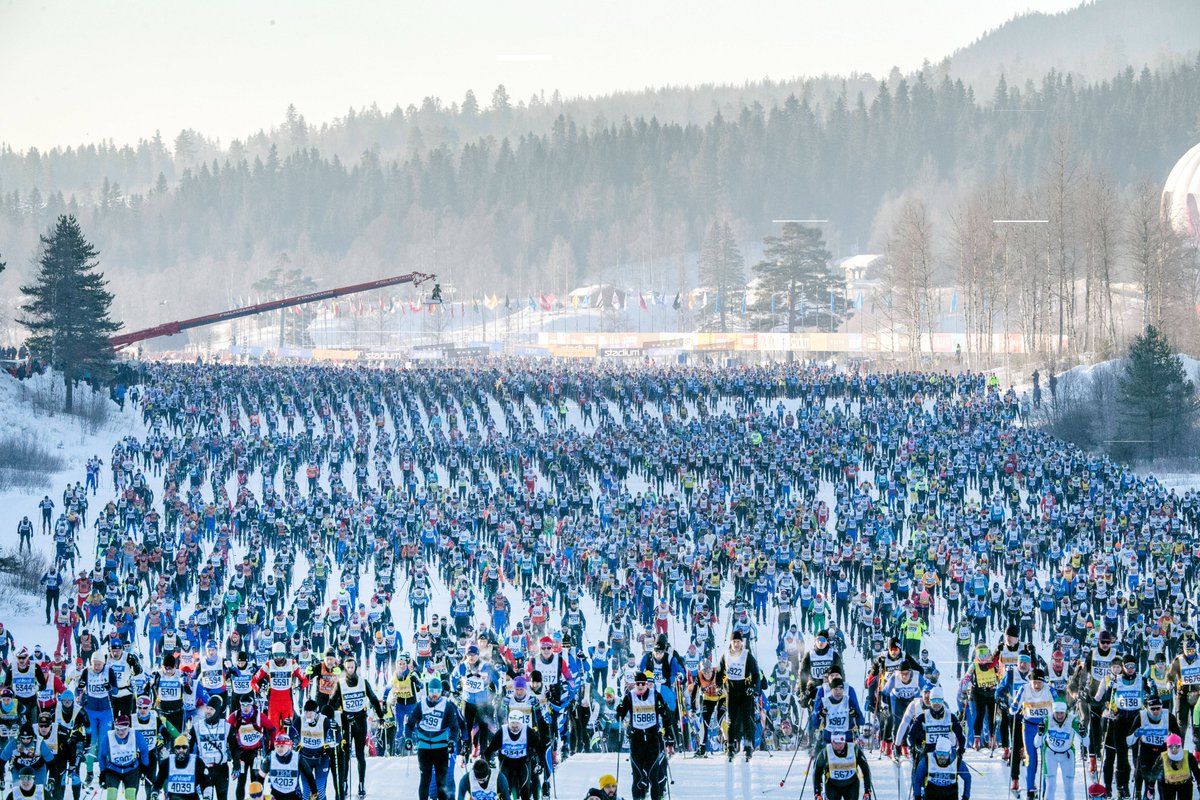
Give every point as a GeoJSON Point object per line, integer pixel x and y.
{"type": "Point", "coordinates": [330, 354]}
{"type": "Point", "coordinates": [468, 352]}
{"type": "Point", "coordinates": [572, 351]}
{"type": "Point", "coordinates": [621, 352]}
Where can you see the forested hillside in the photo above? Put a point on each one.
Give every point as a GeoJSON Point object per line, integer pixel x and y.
{"type": "Point", "coordinates": [546, 210]}
{"type": "Point", "coordinates": [1092, 41]}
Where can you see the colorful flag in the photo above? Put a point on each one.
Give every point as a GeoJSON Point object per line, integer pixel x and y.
{"type": "Point", "coordinates": [954, 302]}
{"type": "Point", "coordinates": [641, 301]}
{"type": "Point", "coordinates": [675, 305]}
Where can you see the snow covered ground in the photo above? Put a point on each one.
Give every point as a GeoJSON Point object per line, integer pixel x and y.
{"type": "Point", "coordinates": [397, 777]}
{"type": "Point", "coordinates": [710, 779]}
{"type": "Point", "coordinates": [33, 410]}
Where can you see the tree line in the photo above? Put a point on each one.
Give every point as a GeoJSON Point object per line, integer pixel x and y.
{"type": "Point", "coordinates": [615, 200]}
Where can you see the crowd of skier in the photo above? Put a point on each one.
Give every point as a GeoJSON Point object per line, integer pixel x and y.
{"type": "Point", "coordinates": [492, 569]}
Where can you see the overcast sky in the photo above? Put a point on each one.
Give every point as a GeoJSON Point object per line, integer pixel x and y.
{"type": "Point", "coordinates": [75, 71]}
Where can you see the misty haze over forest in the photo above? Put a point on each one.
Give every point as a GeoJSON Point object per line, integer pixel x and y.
{"type": "Point", "coordinates": [517, 195]}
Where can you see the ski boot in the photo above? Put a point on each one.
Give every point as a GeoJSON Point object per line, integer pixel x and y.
{"type": "Point", "coordinates": [978, 744]}
{"type": "Point", "coordinates": [749, 752]}
{"type": "Point", "coordinates": [1004, 754]}
{"type": "Point", "coordinates": [362, 790]}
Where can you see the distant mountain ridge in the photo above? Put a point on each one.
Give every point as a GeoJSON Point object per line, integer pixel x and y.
{"type": "Point", "coordinates": [1094, 41]}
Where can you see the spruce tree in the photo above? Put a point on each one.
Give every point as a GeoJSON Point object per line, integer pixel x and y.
{"type": "Point", "coordinates": [1159, 402]}
{"type": "Point", "coordinates": [721, 270]}
{"type": "Point", "coordinates": [67, 306]}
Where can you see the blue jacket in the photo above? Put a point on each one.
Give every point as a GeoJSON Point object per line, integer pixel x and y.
{"type": "Point", "coordinates": [106, 762]}
{"type": "Point", "coordinates": [922, 772]}
{"type": "Point", "coordinates": [436, 727]}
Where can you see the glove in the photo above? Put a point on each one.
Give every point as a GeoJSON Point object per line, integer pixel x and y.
{"type": "Point", "coordinates": [545, 788]}
{"type": "Point", "coordinates": [751, 692]}
{"type": "Point", "coordinates": [408, 744]}
{"type": "Point", "coordinates": [818, 797]}
{"type": "Point", "coordinates": [866, 795]}
{"type": "Point", "coordinates": [1037, 740]}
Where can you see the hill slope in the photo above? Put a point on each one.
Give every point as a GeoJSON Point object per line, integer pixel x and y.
{"type": "Point", "coordinates": [1093, 41]}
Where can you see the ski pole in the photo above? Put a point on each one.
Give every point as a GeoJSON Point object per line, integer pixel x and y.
{"type": "Point", "coordinates": [618, 775]}
{"type": "Point", "coordinates": [807, 770]}
{"type": "Point", "coordinates": [790, 763]}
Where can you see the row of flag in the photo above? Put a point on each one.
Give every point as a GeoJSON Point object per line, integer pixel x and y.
{"type": "Point", "coordinates": [614, 299]}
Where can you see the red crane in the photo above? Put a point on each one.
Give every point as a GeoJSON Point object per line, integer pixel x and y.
{"type": "Point", "coordinates": [172, 328]}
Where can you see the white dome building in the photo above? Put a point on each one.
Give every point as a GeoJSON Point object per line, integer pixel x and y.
{"type": "Point", "coordinates": [1181, 194]}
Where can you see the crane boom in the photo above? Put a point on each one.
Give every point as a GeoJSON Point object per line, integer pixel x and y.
{"type": "Point", "coordinates": [172, 328]}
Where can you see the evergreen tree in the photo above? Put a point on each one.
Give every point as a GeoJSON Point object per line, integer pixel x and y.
{"type": "Point", "coordinates": [66, 308]}
{"type": "Point", "coordinates": [721, 272]}
{"type": "Point", "coordinates": [1159, 402]}
{"type": "Point", "coordinates": [795, 269]}
{"type": "Point", "coordinates": [282, 282]}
